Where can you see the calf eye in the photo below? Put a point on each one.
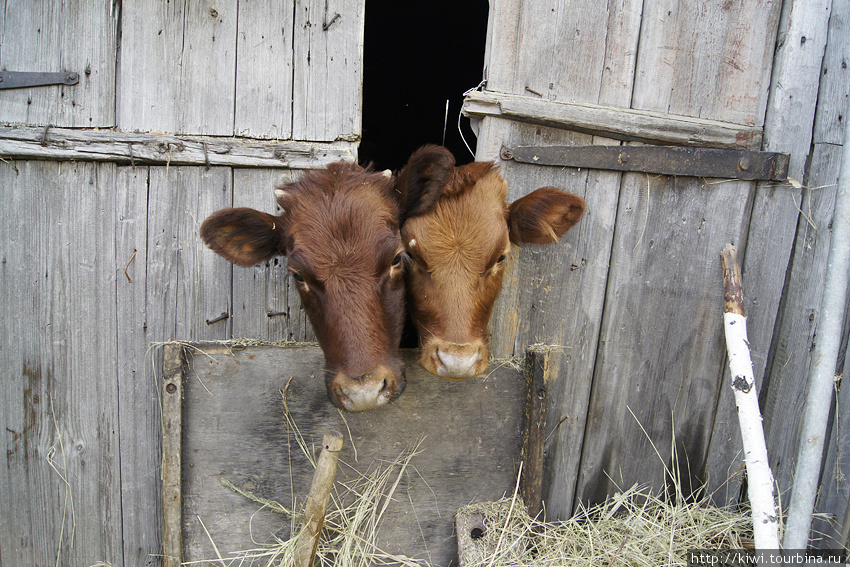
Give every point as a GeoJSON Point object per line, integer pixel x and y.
{"type": "Point", "coordinates": [397, 260]}
{"type": "Point", "coordinates": [501, 259]}
{"type": "Point", "coordinates": [297, 277]}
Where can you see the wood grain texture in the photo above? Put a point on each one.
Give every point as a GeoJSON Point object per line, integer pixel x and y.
{"type": "Point", "coordinates": [47, 36]}
{"type": "Point", "coordinates": [177, 67]}
{"type": "Point", "coordinates": [159, 149]}
{"type": "Point", "coordinates": [264, 50]}
{"type": "Point", "coordinates": [617, 123]}
{"type": "Point", "coordinates": [59, 391]}
{"type": "Point", "coordinates": [328, 67]}
{"type": "Point", "coordinates": [771, 235]}
{"type": "Point", "coordinates": [468, 451]}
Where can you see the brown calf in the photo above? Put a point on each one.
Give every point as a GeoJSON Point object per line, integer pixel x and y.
{"type": "Point", "coordinates": [458, 232]}
{"type": "Point", "coordinates": [339, 229]}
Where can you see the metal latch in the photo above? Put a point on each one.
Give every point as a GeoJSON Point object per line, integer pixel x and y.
{"type": "Point", "coordinates": [666, 160]}
{"type": "Point", "coordinates": [24, 79]}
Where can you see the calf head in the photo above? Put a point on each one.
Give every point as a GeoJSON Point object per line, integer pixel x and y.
{"type": "Point", "coordinates": [339, 229]}
{"type": "Point", "coordinates": [458, 231]}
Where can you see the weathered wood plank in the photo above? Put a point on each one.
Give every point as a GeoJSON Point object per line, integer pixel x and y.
{"type": "Point", "coordinates": [59, 395]}
{"type": "Point", "coordinates": [178, 67]}
{"type": "Point", "coordinates": [138, 400]}
{"type": "Point", "coordinates": [187, 283]}
{"type": "Point", "coordinates": [710, 61]}
{"type": "Point", "coordinates": [265, 304]}
{"type": "Point", "coordinates": [159, 149]}
{"type": "Point", "coordinates": [468, 452]}
{"type": "Point", "coordinates": [612, 122]}
{"type": "Point", "coordinates": [264, 69]}
{"type": "Point", "coordinates": [772, 229]}
{"type": "Point", "coordinates": [173, 375]}
{"type": "Point", "coordinates": [328, 66]}
{"type": "Point", "coordinates": [51, 36]}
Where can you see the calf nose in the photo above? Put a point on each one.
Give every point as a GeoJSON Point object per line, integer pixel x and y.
{"type": "Point", "coordinates": [366, 392]}
{"type": "Point", "coordinates": [458, 361]}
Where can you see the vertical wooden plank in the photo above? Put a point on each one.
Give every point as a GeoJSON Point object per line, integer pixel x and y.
{"type": "Point", "coordinates": [660, 355]}
{"type": "Point", "coordinates": [60, 394]}
{"type": "Point", "coordinates": [42, 35]}
{"type": "Point", "coordinates": [266, 305]}
{"type": "Point", "coordinates": [708, 61]}
{"type": "Point", "coordinates": [328, 90]}
{"type": "Point", "coordinates": [770, 241]}
{"type": "Point", "coordinates": [177, 67]}
{"type": "Point", "coordinates": [172, 465]}
{"type": "Point", "coordinates": [138, 400]}
{"type": "Point", "coordinates": [188, 284]}
{"type": "Point", "coordinates": [264, 69]}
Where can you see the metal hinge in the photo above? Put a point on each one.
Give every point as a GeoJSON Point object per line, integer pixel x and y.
{"type": "Point", "coordinates": [24, 79]}
{"type": "Point", "coordinates": [666, 160]}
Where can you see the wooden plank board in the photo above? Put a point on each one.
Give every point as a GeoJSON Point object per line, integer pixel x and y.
{"type": "Point", "coordinates": [264, 53]}
{"type": "Point", "coordinates": [160, 149]}
{"type": "Point", "coordinates": [618, 123]}
{"type": "Point", "coordinates": [59, 394]}
{"type": "Point", "coordinates": [47, 36]}
{"type": "Point", "coordinates": [138, 400]}
{"type": "Point", "coordinates": [772, 231]}
{"type": "Point", "coordinates": [233, 427]}
{"type": "Point", "coordinates": [178, 67]}
{"type": "Point", "coordinates": [328, 67]}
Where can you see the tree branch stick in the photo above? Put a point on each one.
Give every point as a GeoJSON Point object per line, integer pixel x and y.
{"type": "Point", "coordinates": [759, 476]}
{"type": "Point", "coordinates": [317, 500]}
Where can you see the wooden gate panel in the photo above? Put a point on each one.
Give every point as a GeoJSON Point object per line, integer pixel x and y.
{"type": "Point", "coordinates": [177, 67]}
{"type": "Point", "coordinates": [48, 36]}
{"type": "Point", "coordinates": [328, 60]}
{"type": "Point", "coordinates": [59, 395]}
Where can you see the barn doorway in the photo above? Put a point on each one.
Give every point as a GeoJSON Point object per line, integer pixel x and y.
{"type": "Point", "coordinates": [416, 57]}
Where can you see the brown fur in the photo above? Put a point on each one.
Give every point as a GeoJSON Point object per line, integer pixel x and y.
{"type": "Point", "coordinates": [340, 231]}
{"type": "Point", "coordinates": [458, 235]}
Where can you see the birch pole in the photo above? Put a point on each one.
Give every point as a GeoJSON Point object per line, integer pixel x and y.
{"type": "Point", "coordinates": [759, 476]}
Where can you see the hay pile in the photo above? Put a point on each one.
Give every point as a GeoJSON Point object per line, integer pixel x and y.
{"type": "Point", "coordinates": [634, 528]}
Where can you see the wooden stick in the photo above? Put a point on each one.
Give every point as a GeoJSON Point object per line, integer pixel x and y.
{"type": "Point", "coordinates": [317, 500]}
{"type": "Point", "coordinates": [759, 476]}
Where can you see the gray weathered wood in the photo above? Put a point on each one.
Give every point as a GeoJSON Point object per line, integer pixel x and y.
{"type": "Point", "coordinates": [42, 35]}
{"type": "Point", "coordinates": [264, 69]}
{"type": "Point", "coordinates": [328, 67]}
{"type": "Point", "coordinates": [138, 394]}
{"type": "Point", "coordinates": [618, 123]}
{"type": "Point", "coordinates": [769, 242]}
{"type": "Point", "coordinates": [59, 391]}
{"type": "Point", "coordinates": [468, 452]}
{"type": "Point", "coordinates": [178, 67]}
{"type": "Point", "coordinates": [173, 377]}
{"type": "Point", "coordinates": [146, 148]}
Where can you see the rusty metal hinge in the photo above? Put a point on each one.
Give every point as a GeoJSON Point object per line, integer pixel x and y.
{"type": "Point", "coordinates": [24, 79]}
{"type": "Point", "coordinates": [666, 160]}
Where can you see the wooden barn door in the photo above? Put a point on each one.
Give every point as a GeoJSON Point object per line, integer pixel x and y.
{"type": "Point", "coordinates": [631, 300]}
{"type": "Point", "coordinates": [177, 109]}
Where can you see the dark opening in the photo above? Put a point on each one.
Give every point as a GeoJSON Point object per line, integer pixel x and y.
{"type": "Point", "coordinates": [416, 57]}
{"type": "Point", "coordinates": [476, 533]}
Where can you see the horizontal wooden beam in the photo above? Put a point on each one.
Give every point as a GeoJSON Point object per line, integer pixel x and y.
{"type": "Point", "coordinates": [618, 123]}
{"type": "Point", "coordinates": [26, 142]}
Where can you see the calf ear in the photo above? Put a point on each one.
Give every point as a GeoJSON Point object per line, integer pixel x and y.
{"type": "Point", "coordinates": [543, 216]}
{"type": "Point", "coordinates": [244, 236]}
{"type": "Point", "coordinates": [424, 178]}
